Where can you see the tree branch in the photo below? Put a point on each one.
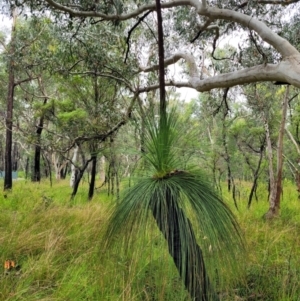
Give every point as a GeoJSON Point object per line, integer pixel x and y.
{"type": "Point", "coordinates": [269, 36]}
{"type": "Point", "coordinates": [133, 14]}
{"type": "Point", "coordinates": [190, 60]}
{"type": "Point", "coordinates": [293, 140]}
{"type": "Point", "coordinates": [131, 31]}
{"type": "Point", "coordinates": [260, 73]}
{"type": "Point", "coordinates": [25, 80]}
{"type": "Point", "coordinates": [103, 137]}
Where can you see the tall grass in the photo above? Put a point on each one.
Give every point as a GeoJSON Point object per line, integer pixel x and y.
{"type": "Point", "coordinates": [58, 244]}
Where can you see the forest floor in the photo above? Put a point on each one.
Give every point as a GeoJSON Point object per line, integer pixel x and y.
{"type": "Point", "coordinates": [51, 248]}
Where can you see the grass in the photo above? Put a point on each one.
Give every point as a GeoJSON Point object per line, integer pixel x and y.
{"type": "Point", "coordinates": [58, 244]}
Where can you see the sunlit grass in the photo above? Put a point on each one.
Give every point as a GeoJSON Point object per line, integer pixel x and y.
{"type": "Point", "coordinates": [58, 244]}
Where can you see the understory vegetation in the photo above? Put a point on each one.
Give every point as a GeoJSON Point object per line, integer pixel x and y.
{"type": "Point", "coordinates": [59, 248]}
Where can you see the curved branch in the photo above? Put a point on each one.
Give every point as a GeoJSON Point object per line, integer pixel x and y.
{"type": "Point", "coordinates": [131, 31]}
{"type": "Point", "coordinates": [167, 84]}
{"type": "Point", "coordinates": [258, 73]}
{"type": "Point", "coordinates": [293, 140]}
{"type": "Point", "coordinates": [107, 75]}
{"type": "Point", "coordinates": [201, 29]}
{"type": "Point", "coordinates": [192, 66]}
{"type": "Point", "coordinates": [133, 14]}
{"type": "Point", "coordinates": [284, 72]}
{"type": "Point", "coordinates": [279, 43]}
{"type": "Point", "coordinates": [269, 36]}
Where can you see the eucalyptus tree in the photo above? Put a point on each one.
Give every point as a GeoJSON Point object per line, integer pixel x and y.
{"type": "Point", "coordinates": [32, 60]}
{"type": "Point", "coordinates": [9, 105]}
{"type": "Point", "coordinates": [98, 96]}
{"type": "Point", "coordinates": [264, 103]}
{"type": "Point", "coordinates": [203, 21]}
{"type": "Point", "coordinates": [250, 138]}
{"type": "Point", "coordinates": [192, 25]}
{"type": "Point", "coordinates": [18, 63]}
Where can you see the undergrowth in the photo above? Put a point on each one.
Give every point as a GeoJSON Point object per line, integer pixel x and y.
{"type": "Point", "coordinates": [59, 247]}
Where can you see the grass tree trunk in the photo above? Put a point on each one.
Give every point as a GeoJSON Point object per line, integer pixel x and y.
{"type": "Point", "coordinates": [9, 110]}
{"type": "Point", "coordinates": [188, 258]}
{"type": "Point", "coordinates": [276, 181]}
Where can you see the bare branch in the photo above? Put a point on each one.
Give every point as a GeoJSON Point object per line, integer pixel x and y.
{"type": "Point", "coordinates": [269, 36]}
{"type": "Point", "coordinates": [260, 73]}
{"type": "Point", "coordinates": [267, 72]}
{"type": "Point", "coordinates": [133, 14]}
{"type": "Point", "coordinates": [107, 75]}
{"type": "Point", "coordinates": [192, 66]}
{"type": "Point", "coordinates": [25, 80]}
{"type": "Point", "coordinates": [131, 31]}
{"type": "Point", "coordinates": [167, 84]}
{"type": "Point", "coordinates": [201, 29]}
{"type": "Point", "coordinates": [293, 140]}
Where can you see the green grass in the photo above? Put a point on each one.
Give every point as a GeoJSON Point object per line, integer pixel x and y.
{"type": "Point", "coordinates": [58, 244]}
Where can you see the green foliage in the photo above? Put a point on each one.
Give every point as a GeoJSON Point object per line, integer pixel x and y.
{"type": "Point", "coordinates": [160, 142]}
{"type": "Point", "coordinates": [72, 116]}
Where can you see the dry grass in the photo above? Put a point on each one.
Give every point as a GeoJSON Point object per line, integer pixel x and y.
{"type": "Point", "coordinates": [58, 244]}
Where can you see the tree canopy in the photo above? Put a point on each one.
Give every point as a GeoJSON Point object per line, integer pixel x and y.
{"type": "Point", "coordinates": [190, 26]}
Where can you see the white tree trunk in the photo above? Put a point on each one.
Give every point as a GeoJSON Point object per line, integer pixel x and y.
{"type": "Point", "coordinates": [102, 169]}
{"type": "Point", "coordinates": [73, 167]}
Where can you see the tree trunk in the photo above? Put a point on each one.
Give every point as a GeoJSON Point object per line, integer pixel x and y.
{"type": "Point", "coordinates": [297, 172]}
{"type": "Point", "coordinates": [27, 167]}
{"type": "Point", "coordinates": [15, 157]}
{"type": "Point", "coordinates": [73, 167]}
{"type": "Point", "coordinates": [102, 170]}
{"type": "Point", "coordinates": [2, 157]}
{"type": "Point", "coordinates": [64, 171]}
{"type": "Point", "coordinates": [78, 177]}
{"type": "Point", "coordinates": [256, 175]}
{"type": "Point", "coordinates": [93, 176]}
{"type": "Point", "coordinates": [36, 173]}
{"type": "Point", "coordinates": [187, 256]}
{"type": "Point", "coordinates": [9, 110]}
{"type": "Point", "coordinates": [48, 168]}
{"type": "Point", "coordinates": [276, 187]}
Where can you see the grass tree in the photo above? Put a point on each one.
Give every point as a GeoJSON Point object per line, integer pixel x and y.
{"type": "Point", "coordinates": [177, 198]}
{"type": "Point", "coordinates": [186, 209]}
